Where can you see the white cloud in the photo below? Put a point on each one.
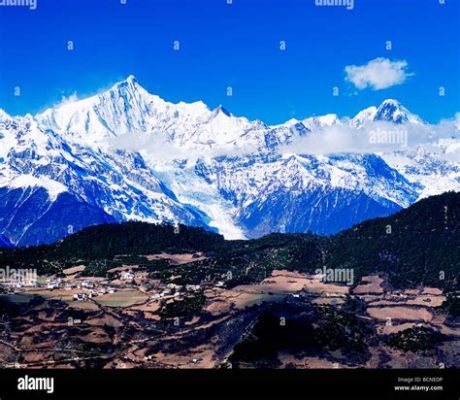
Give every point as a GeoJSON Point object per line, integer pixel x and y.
{"type": "Point", "coordinates": [380, 73]}
{"type": "Point", "coordinates": [378, 137]}
{"type": "Point", "coordinates": [157, 147]}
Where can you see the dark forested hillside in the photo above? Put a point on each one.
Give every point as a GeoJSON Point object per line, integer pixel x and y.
{"type": "Point", "coordinates": [419, 245]}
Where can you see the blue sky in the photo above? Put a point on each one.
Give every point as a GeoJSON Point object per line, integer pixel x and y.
{"type": "Point", "coordinates": [236, 45]}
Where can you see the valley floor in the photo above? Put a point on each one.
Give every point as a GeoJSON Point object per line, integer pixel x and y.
{"type": "Point", "coordinates": [287, 320]}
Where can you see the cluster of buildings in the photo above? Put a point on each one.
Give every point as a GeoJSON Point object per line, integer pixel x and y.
{"type": "Point", "coordinates": [174, 290]}
{"type": "Point", "coordinates": [82, 288]}
{"type": "Point", "coordinates": [89, 288]}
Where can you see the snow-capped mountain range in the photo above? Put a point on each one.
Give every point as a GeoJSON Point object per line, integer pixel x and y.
{"type": "Point", "coordinates": [126, 154]}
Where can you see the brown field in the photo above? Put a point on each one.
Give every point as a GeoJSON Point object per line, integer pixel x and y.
{"type": "Point", "coordinates": [328, 301]}
{"type": "Point", "coordinates": [283, 281]}
{"type": "Point", "coordinates": [372, 284]}
{"type": "Point", "coordinates": [152, 307]}
{"type": "Point", "coordinates": [122, 298]}
{"type": "Point", "coordinates": [97, 336]}
{"type": "Point", "coordinates": [420, 300]}
{"type": "Point", "coordinates": [199, 357]}
{"type": "Point", "coordinates": [398, 313]}
{"type": "Point", "coordinates": [123, 268]}
{"type": "Point", "coordinates": [395, 328]}
{"type": "Point", "coordinates": [54, 294]}
{"type": "Point", "coordinates": [315, 286]}
{"type": "Point", "coordinates": [84, 305]}
{"type": "Point", "coordinates": [106, 320]}
{"type": "Point", "coordinates": [432, 291]}
{"type": "Point", "coordinates": [177, 259]}
{"type": "Point", "coordinates": [74, 270]}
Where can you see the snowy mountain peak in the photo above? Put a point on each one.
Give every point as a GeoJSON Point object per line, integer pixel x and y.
{"type": "Point", "coordinates": [389, 111]}
{"type": "Point", "coordinates": [128, 109]}
{"type": "Point", "coordinates": [223, 110]}
{"type": "Point", "coordinates": [322, 121]}
{"type": "Point", "coordinates": [393, 111]}
{"type": "Point", "coordinates": [129, 84]}
{"type": "Point", "coordinates": [364, 116]}
{"type": "Point", "coordinates": [392, 103]}
{"type": "Point", "coordinates": [131, 78]}
{"type": "Point", "coordinates": [120, 110]}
